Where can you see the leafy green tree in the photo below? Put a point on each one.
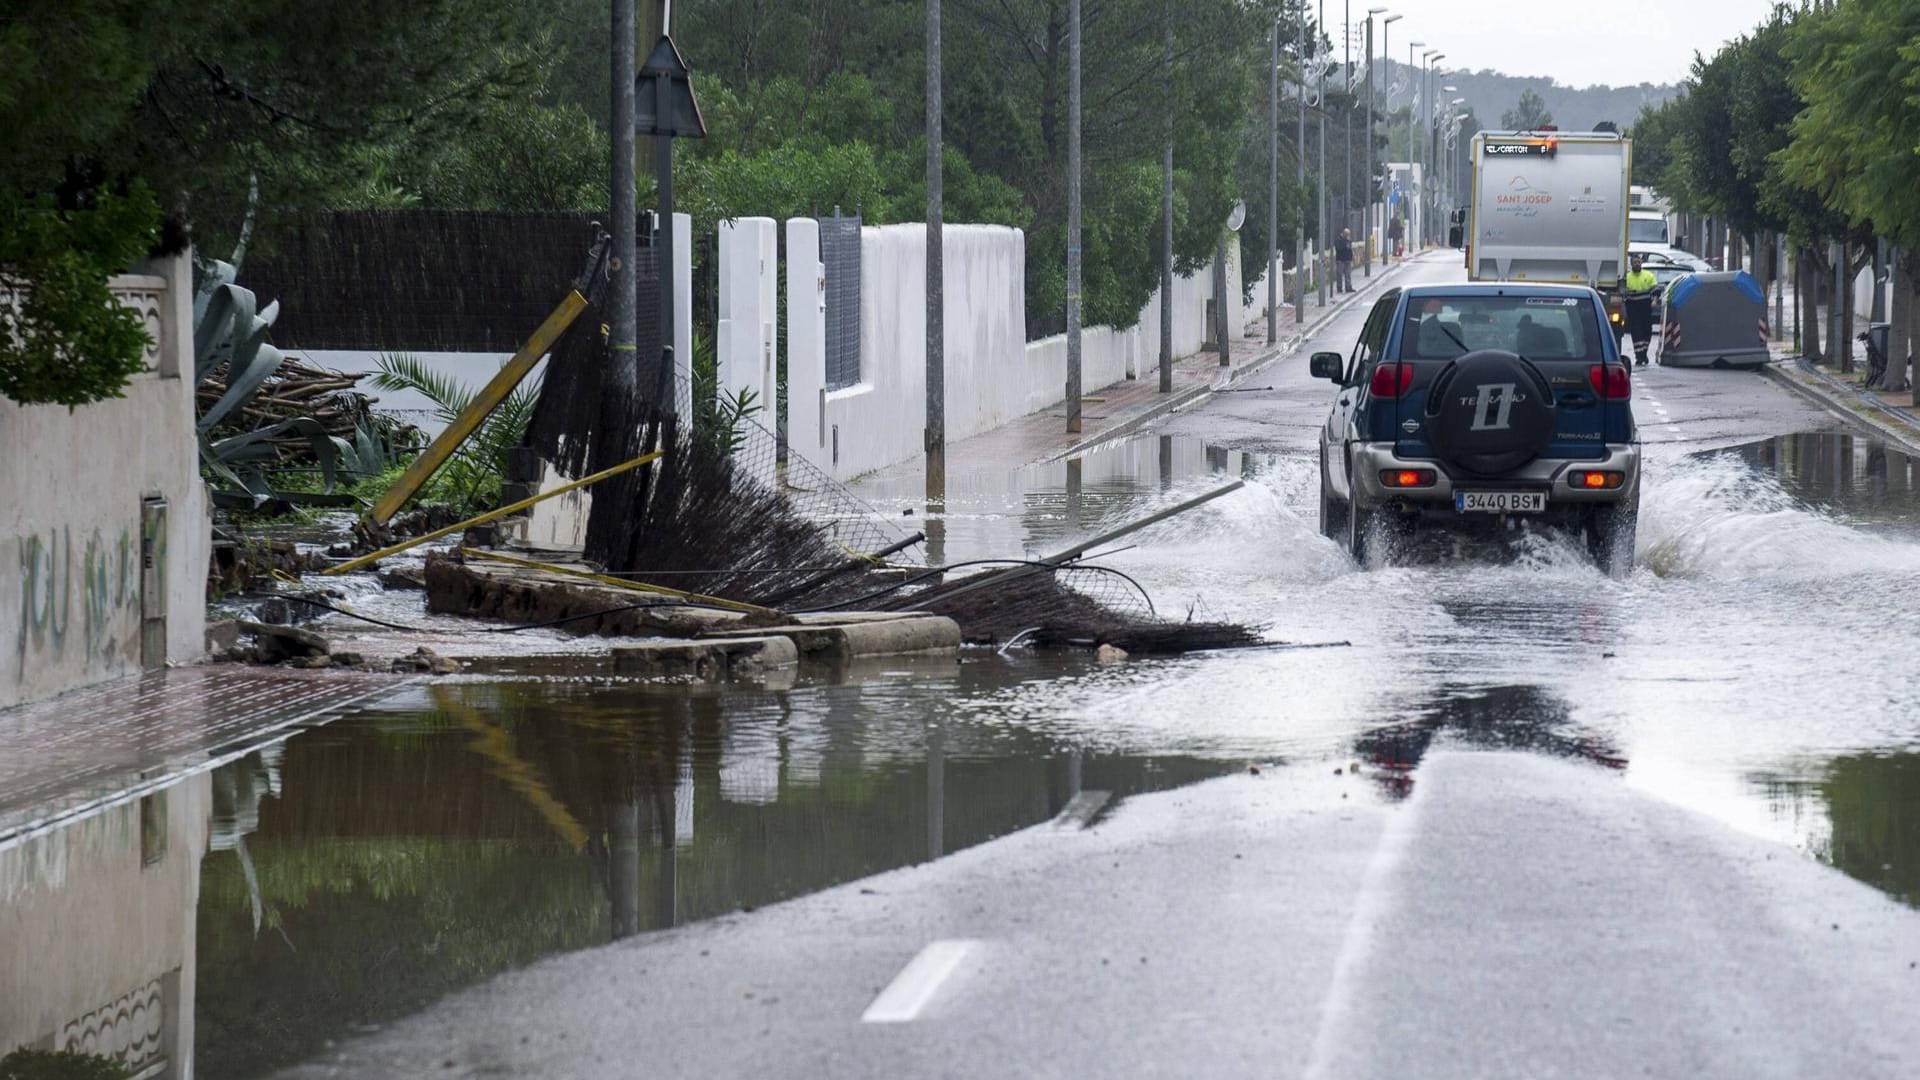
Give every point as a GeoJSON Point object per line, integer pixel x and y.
{"type": "Point", "coordinates": [68, 341]}
{"type": "Point", "coordinates": [1529, 115]}
{"type": "Point", "coordinates": [1857, 143]}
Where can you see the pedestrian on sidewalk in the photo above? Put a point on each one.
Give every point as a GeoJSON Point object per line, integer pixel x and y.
{"type": "Point", "coordinates": [1343, 261]}
{"type": "Point", "coordinates": [1395, 231]}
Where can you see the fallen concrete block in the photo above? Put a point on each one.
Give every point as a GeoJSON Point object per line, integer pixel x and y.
{"type": "Point", "coordinates": [841, 641]}
{"type": "Point", "coordinates": [277, 643]}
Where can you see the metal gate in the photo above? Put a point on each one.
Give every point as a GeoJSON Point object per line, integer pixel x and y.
{"type": "Point", "coordinates": [840, 254]}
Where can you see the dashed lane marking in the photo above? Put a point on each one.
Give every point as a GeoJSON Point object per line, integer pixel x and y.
{"type": "Point", "coordinates": [918, 982]}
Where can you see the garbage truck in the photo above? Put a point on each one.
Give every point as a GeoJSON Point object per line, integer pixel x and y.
{"type": "Point", "coordinates": [1551, 206]}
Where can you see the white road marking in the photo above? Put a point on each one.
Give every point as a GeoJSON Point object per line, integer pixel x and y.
{"type": "Point", "coordinates": [918, 982]}
{"type": "Point", "coordinates": [1376, 894]}
{"type": "Point", "coordinates": [1081, 810]}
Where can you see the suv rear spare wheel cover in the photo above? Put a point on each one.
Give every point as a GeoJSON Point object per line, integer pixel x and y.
{"type": "Point", "coordinates": [1490, 412]}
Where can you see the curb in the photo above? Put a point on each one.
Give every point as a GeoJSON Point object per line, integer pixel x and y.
{"type": "Point", "coordinates": [1906, 437]}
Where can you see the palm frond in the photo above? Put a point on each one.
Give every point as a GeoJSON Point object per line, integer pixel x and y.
{"type": "Point", "coordinates": [404, 371]}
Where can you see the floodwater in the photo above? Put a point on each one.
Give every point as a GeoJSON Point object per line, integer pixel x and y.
{"type": "Point", "coordinates": [1757, 667]}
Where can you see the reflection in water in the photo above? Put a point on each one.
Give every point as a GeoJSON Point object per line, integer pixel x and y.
{"type": "Point", "coordinates": [1485, 718]}
{"type": "Point", "coordinates": [417, 850]}
{"type": "Point", "coordinates": [97, 932]}
{"type": "Point", "coordinates": [1871, 806]}
{"type": "Point", "coordinates": [1873, 484]}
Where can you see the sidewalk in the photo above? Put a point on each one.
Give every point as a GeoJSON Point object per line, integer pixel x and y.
{"type": "Point", "coordinates": [83, 751]}
{"type": "Point", "coordinates": [1890, 415]}
{"type": "Point", "coordinates": [1113, 411]}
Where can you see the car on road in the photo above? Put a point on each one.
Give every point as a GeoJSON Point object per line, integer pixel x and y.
{"type": "Point", "coordinates": [1477, 408]}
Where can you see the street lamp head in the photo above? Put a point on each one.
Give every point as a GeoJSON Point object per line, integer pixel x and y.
{"type": "Point", "coordinates": [1371, 12]}
{"type": "Point", "coordinates": [1392, 18]}
{"type": "Point", "coordinates": [1415, 44]}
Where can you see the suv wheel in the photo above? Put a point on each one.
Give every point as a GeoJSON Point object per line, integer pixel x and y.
{"type": "Point", "coordinates": [1333, 509]}
{"type": "Point", "coordinates": [1611, 533]}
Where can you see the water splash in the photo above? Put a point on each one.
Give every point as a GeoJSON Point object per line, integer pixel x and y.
{"type": "Point", "coordinates": [1717, 518]}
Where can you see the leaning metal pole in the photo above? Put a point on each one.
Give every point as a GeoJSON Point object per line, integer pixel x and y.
{"type": "Point", "coordinates": [1273, 183]}
{"type": "Point", "coordinates": [1073, 219]}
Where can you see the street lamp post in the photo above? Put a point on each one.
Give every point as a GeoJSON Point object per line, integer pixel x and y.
{"type": "Point", "coordinates": [1346, 114]}
{"type": "Point", "coordinates": [1320, 80]}
{"type": "Point", "coordinates": [1300, 156]}
{"type": "Point", "coordinates": [1386, 90]}
{"type": "Point", "coordinates": [1413, 103]}
{"type": "Point", "coordinates": [1366, 222]}
{"type": "Point", "coordinates": [1273, 182]}
{"type": "Point", "coordinates": [1431, 57]}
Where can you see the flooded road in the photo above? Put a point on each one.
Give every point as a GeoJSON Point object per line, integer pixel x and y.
{"type": "Point", "coordinates": [1755, 668]}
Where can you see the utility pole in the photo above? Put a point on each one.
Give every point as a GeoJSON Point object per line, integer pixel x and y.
{"type": "Point", "coordinates": [1320, 77]}
{"type": "Point", "coordinates": [1073, 220]}
{"type": "Point", "coordinates": [936, 406]}
{"type": "Point", "coordinates": [623, 331]}
{"type": "Point", "coordinates": [1386, 90]}
{"type": "Point", "coordinates": [1166, 212]}
{"type": "Point", "coordinates": [1366, 226]}
{"type": "Point", "coordinates": [1300, 156]}
{"type": "Point", "coordinates": [1273, 183]}
{"type": "Point", "coordinates": [1346, 114]}
{"type": "Point", "coordinates": [1410, 194]}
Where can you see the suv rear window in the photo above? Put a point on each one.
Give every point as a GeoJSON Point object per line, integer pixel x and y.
{"type": "Point", "coordinates": [1536, 327]}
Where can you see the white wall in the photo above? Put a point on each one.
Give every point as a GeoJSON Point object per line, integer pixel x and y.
{"type": "Point", "coordinates": [72, 484]}
{"type": "Point", "coordinates": [881, 419]}
{"type": "Point", "coordinates": [993, 375]}
{"type": "Point", "coordinates": [744, 333]}
{"type": "Point", "coordinates": [806, 314]}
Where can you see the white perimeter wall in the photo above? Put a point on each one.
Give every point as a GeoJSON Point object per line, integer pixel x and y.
{"type": "Point", "coordinates": [993, 375]}
{"type": "Point", "coordinates": [72, 485]}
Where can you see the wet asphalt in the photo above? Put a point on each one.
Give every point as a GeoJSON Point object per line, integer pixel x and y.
{"type": "Point", "coordinates": [1597, 828]}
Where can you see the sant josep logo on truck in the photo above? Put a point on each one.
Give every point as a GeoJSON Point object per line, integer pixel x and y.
{"type": "Point", "coordinates": [1521, 199]}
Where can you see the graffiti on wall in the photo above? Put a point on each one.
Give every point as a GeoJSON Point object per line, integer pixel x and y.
{"type": "Point", "coordinates": [103, 584]}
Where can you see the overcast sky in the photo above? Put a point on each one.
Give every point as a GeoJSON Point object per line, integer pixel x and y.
{"type": "Point", "coordinates": [1577, 42]}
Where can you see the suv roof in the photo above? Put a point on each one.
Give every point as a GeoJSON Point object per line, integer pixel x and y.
{"type": "Point", "coordinates": [1496, 288]}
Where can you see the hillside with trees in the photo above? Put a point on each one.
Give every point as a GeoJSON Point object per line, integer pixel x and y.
{"type": "Point", "coordinates": [1492, 95]}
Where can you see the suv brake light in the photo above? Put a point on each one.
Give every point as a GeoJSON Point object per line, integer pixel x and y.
{"type": "Point", "coordinates": [1611, 381]}
{"type": "Point", "coordinates": [1391, 380]}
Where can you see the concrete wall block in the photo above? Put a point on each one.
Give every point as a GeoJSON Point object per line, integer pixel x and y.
{"type": "Point", "coordinates": [806, 343]}
{"type": "Point", "coordinates": [70, 573]}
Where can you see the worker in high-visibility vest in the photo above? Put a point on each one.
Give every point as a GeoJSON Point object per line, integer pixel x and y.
{"type": "Point", "coordinates": [1637, 293]}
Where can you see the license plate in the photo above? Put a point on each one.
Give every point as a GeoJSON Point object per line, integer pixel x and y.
{"type": "Point", "coordinates": [1500, 502]}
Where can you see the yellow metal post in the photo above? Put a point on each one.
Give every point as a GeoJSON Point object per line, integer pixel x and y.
{"type": "Point", "coordinates": [491, 515]}
{"type": "Point", "coordinates": [489, 398]}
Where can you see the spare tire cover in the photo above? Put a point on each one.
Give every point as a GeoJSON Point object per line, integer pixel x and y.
{"type": "Point", "coordinates": [1490, 412]}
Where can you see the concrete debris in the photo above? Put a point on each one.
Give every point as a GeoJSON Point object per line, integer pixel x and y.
{"type": "Point", "coordinates": [425, 660]}
{"type": "Point", "coordinates": [223, 635]}
{"type": "Point", "coordinates": [405, 577]}
{"type": "Point", "coordinates": [273, 644]}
